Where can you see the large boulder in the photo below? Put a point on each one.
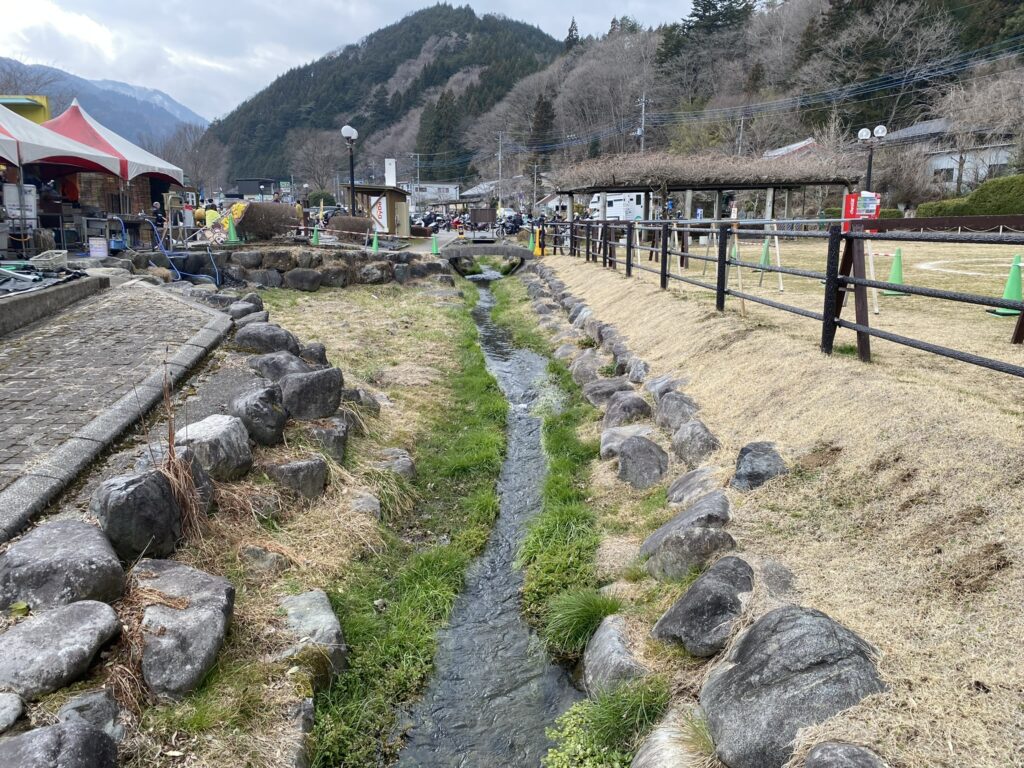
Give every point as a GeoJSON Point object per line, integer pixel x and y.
{"type": "Point", "coordinates": [276, 365]}
{"type": "Point", "coordinates": [608, 660]}
{"type": "Point", "coordinates": [642, 462]}
{"type": "Point", "coordinates": [282, 261]}
{"type": "Point", "coordinates": [255, 299]}
{"type": "Point", "coordinates": [586, 368]}
{"type": "Point", "coordinates": [331, 438]}
{"type": "Point", "coordinates": [59, 563]}
{"type": "Point", "coordinates": [256, 317]}
{"type": "Point", "coordinates": [690, 486]}
{"type": "Point", "coordinates": [268, 278]}
{"type": "Point", "coordinates": [317, 633]}
{"type": "Point", "coordinates": [65, 745]}
{"type": "Point", "coordinates": [836, 754]}
{"type": "Point", "coordinates": [686, 550]}
{"type": "Point", "coordinates": [138, 513]}
{"type": "Point", "coordinates": [376, 273]}
{"type": "Point", "coordinates": [314, 353]}
{"type": "Point", "coordinates": [612, 439]}
{"type": "Point", "coordinates": [793, 668]}
{"type": "Point", "coordinates": [661, 385]}
{"type": "Point", "coordinates": [262, 412]}
{"type": "Point", "coordinates": [693, 442]}
{"type": "Point", "coordinates": [335, 277]}
{"type": "Point", "coordinates": [625, 407]}
{"type": "Point", "coordinates": [710, 511]}
{"type": "Point", "coordinates": [674, 410]}
{"type": "Point", "coordinates": [53, 649]}
{"type": "Point", "coordinates": [670, 743]}
{"type": "Point", "coordinates": [265, 337]}
{"type": "Point", "coordinates": [637, 370]}
{"type": "Point", "coordinates": [366, 503]}
{"type": "Point", "coordinates": [98, 709]}
{"type": "Point", "coordinates": [181, 634]}
{"type": "Point", "coordinates": [154, 456]}
{"type": "Point", "coordinates": [756, 465]}
{"type": "Point", "coordinates": [313, 395]}
{"type": "Point", "coordinates": [221, 444]}
{"type": "Point", "coordinates": [703, 618]}
{"type": "Point", "coordinates": [307, 477]}
{"type": "Point", "coordinates": [599, 391]}
{"type": "Point", "coordinates": [303, 280]}
{"type": "Point", "coordinates": [239, 309]}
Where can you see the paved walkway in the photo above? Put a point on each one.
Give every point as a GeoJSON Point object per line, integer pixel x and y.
{"type": "Point", "coordinates": [61, 376]}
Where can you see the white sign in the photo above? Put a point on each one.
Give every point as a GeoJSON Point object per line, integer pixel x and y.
{"type": "Point", "coordinates": [390, 172]}
{"type": "Point", "coordinates": [98, 248]}
{"type": "Point", "coordinates": [13, 203]}
{"type": "Point", "coordinates": [379, 213]}
{"type": "Point", "coordinates": [700, 213]}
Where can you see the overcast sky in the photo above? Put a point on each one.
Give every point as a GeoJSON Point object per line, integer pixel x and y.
{"type": "Point", "coordinates": [212, 56]}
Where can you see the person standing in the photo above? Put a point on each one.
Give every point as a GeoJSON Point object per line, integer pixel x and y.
{"type": "Point", "coordinates": [300, 216]}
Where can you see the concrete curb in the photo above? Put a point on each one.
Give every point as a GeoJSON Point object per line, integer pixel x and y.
{"type": "Point", "coordinates": [31, 493]}
{"type": "Point", "coordinates": [21, 309]}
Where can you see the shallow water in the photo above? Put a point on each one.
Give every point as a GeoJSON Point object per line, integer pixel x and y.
{"type": "Point", "coordinates": [494, 688]}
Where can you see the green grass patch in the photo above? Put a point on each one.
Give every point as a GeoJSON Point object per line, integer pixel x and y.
{"type": "Point", "coordinates": [605, 731]}
{"type": "Point", "coordinates": [392, 649]}
{"type": "Point", "coordinates": [512, 312]}
{"type": "Point", "coordinates": [572, 617]}
{"type": "Point", "coordinates": [557, 553]}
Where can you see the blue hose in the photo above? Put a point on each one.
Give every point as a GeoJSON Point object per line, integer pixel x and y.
{"type": "Point", "coordinates": [170, 255]}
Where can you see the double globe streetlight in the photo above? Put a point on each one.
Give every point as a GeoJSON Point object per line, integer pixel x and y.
{"type": "Point", "coordinates": [350, 135]}
{"type": "Point", "coordinates": [869, 137]}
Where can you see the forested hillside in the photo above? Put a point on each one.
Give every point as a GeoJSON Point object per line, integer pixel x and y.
{"type": "Point", "coordinates": [378, 81]}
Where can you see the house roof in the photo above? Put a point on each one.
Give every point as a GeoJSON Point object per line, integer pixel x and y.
{"type": "Point", "coordinates": [792, 149]}
{"type": "Point", "coordinates": [921, 131]}
{"type": "Point", "coordinates": [654, 170]}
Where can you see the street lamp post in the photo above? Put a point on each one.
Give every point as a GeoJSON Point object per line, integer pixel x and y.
{"type": "Point", "coordinates": [871, 138]}
{"type": "Point", "coordinates": [261, 193]}
{"type": "Point", "coordinates": [350, 135]}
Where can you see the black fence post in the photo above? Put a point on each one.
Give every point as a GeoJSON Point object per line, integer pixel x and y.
{"type": "Point", "coordinates": [588, 242]}
{"type": "Point", "coordinates": [664, 255]}
{"type": "Point", "coordinates": [828, 319]}
{"type": "Point", "coordinates": [629, 249]}
{"type": "Point", "coordinates": [723, 266]}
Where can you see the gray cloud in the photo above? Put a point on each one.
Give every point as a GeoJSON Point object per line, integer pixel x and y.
{"type": "Point", "coordinates": [213, 57]}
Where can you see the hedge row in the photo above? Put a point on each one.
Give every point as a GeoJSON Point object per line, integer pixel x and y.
{"type": "Point", "coordinates": [996, 197]}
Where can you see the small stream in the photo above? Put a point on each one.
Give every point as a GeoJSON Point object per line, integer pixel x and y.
{"type": "Point", "coordinates": [494, 688]}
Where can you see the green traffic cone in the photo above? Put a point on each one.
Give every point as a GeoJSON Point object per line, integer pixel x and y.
{"type": "Point", "coordinates": [433, 246]}
{"type": "Point", "coordinates": [316, 234]}
{"type": "Point", "coordinates": [1012, 292]}
{"type": "Point", "coordinates": [896, 273]}
{"type": "Point", "coordinates": [376, 247]}
{"type": "Point", "coordinates": [531, 240]}
{"type": "Point", "coordinates": [232, 234]}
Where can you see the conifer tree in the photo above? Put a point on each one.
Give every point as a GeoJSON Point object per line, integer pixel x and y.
{"type": "Point", "coordinates": [573, 38]}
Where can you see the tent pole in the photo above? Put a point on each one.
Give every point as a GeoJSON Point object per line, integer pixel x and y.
{"type": "Point", "coordinates": [21, 201]}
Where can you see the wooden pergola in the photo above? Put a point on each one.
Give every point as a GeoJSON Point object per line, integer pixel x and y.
{"type": "Point", "coordinates": [664, 173]}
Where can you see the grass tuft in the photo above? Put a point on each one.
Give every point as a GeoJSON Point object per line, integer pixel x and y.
{"type": "Point", "coordinates": [606, 730]}
{"type": "Point", "coordinates": [697, 734]}
{"type": "Point", "coordinates": [573, 617]}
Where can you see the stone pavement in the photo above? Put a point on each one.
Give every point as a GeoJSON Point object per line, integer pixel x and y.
{"type": "Point", "coordinates": [72, 383]}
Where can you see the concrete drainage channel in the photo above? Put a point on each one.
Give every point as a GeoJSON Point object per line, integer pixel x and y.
{"type": "Point", "coordinates": [792, 666]}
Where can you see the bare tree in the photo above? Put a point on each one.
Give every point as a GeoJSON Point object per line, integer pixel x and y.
{"type": "Point", "coordinates": [904, 176]}
{"type": "Point", "coordinates": [198, 153]}
{"type": "Point", "coordinates": [18, 78]}
{"type": "Point", "coordinates": [314, 156]}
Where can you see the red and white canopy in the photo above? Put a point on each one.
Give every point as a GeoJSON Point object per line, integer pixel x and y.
{"type": "Point", "coordinates": [23, 142]}
{"type": "Point", "coordinates": [77, 124]}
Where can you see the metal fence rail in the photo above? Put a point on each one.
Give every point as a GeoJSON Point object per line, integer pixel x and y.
{"type": "Point", "coordinates": [650, 246]}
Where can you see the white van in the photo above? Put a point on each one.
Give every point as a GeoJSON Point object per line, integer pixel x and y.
{"type": "Point", "coordinates": [621, 206]}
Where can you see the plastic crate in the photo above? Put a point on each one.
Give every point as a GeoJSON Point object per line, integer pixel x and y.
{"type": "Point", "coordinates": [50, 260]}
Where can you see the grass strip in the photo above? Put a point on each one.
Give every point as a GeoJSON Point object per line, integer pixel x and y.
{"type": "Point", "coordinates": [512, 312]}
{"type": "Point", "coordinates": [392, 604]}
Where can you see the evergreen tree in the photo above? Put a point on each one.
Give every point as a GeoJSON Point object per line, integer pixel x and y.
{"type": "Point", "coordinates": [439, 139]}
{"type": "Point", "coordinates": [707, 18]}
{"type": "Point", "coordinates": [613, 28]}
{"type": "Point", "coordinates": [573, 38]}
{"type": "Point", "coordinates": [594, 150]}
{"type": "Point", "coordinates": [541, 131]}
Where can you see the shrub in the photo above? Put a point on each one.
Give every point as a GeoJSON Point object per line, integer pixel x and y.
{"type": "Point", "coordinates": [996, 197]}
{"type": "Point", "coordinates": [605, 731]}
{"type": "Point", "coordinates": [316, 197]}
{"type": "Point", "coordinates": [572, 618]}
{"type": "Point", "coordinates": [420, 231]}
{"type": "Point", "coordinates": [350, 224]}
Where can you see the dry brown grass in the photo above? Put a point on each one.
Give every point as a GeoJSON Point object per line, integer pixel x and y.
{"type": "Point", "coordinates": [903, 516]}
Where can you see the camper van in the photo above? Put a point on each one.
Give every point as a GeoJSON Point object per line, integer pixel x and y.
{"type": "Point", "coordinates": [627, 206]}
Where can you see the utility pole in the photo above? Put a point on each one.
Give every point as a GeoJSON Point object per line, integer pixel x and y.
{"type": "Point", "coordinates": [739, 149]}
{"type": "Point", "coordinates": [642, 101]}
{"type": "Point", "coordinates": [417, 167]}
{"type": "Point", "coordinates": [533, 205]}
{"type": "Point", "coordinates": [499, 170]}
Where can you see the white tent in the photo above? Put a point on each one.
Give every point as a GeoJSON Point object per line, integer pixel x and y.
{"type": "Point", "coordinates": [23, 142]}
{"type": "Point", "coordinates": [77, 124]}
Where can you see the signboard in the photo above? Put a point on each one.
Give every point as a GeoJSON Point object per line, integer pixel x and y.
{"type": "Point", "coordinates": [700, 214]}
{"type": "Point", "coordinates": [379, 213]}
{"type": "Point", "coordinates": [98, 248]}
{"type": "Point", "coordinates": [390, 172]}
{"type": "Point", "coordinates": [861, 205]}
{"type": "Point", "coordinates": [13, 203]}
